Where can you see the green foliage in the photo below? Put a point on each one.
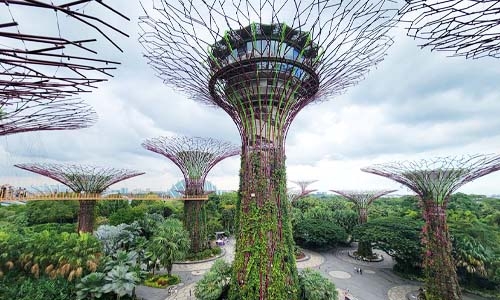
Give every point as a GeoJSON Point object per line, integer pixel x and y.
{"type": "Point", "coordinates": [42, 288]}
{"type": "Point", "coordinates": [64, 254]}
{"type": "Point", "coordinates": [346, 218]}
{"type": "Point", "coordinates": [127, 215]}
{"type": "Point", "coordinates": [120, 275]}
{"type": "Point", "coordinates": [120, 280]}
{"type": "Point", "coordinates": [90, 287]}
{"type": "Point", "coordinates": [108, 207]}
{"type": "Point", "coordinates": [169, 244]}
{"type": "Point", "coordinates": [120, 237]}
{"type": "Point", "coordinates": [53, 227]}
{"type": "Point", "coordinates": [314, 286]}
{"type": "Point", "coordinates": [164, 208]}
{"type": "Point", "coordinates": [162, 281]}
{"type": "Point", "coordinates": [406, 206]}
{"type": "Point", "coordinates": [39, 212]}
{"type": "Point", "coordinates": [400, 237]}
{"type": "Point", "coordinates": [215, 283]}
{"type": "Point", "coordinates": [264, 217]}
{"type": "Point", "coordinates": [205, 254]}
{"type": "Point", "coordinates": [317, 228]}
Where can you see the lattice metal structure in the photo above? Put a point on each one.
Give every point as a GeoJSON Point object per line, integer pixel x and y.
{"type": "Point", "coordinates": [82, 179]}
{"type": "Point", "coordinates": [38, 64]}
{"type": "Point", "coordinates": [469, 28]}
{"type": "Point", "coordinates": [19, 115]}
{"type": "Point", "coordinates": [434, 180]}
{"type": "Point", "coordinates": [303, 184]}
{"type": "Point", "coordinates": [362, 200]}
{"type": "Point", "coordinates": [262, 62]}
{"type": "Point", "coordinates": [195, 157]}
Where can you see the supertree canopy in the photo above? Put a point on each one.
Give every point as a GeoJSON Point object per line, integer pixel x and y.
{"type": "Point", "coordinates": [195, 157]}
{"type": "Point", "coordinates": [262, 62]}
{"type": "Point", "coordinates": [82, 179]}
{"type": "Point", "coordinates": [362, 200]}
{"type": "Point", "coordinates": [467, 28]}
{"type": "Point", "coordinates": [434, 181]}
{"type": "Point", "coordinates": [55, 58]}
{"type": "Point", "coordinates": [19, 115]}
{"type": "Point", "coordinates": [303, 184]}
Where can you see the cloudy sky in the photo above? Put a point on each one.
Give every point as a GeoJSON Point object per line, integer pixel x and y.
{"type": "Point", "coordinates": [415, 104]}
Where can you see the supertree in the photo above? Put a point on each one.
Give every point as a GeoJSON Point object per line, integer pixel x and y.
{"type": "Point", "coordinates": [82, 179]}
{"type": "Point", "coordinates": [303, 184]}
{"type": "Point", "coordinates": [434, 180]}
{"type": "Point", "coordinates": [50, 60]}
{"type": "Point", "coordinates": [467, 28]}
{"type": "Point", "coordinates": [195, 157]}
{"type": "Point", "coordinates": [262, 62]}
{"type": "Point", "coordinates": [362, 200]}
{"type": "Point", "coordinates": [19, 115]}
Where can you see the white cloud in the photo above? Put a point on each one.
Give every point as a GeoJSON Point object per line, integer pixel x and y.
{"type": "Point", "coordinates": [416, 104]}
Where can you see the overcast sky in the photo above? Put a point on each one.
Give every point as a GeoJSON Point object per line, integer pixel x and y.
{"type": "Point", "coordinates": [415, 104]}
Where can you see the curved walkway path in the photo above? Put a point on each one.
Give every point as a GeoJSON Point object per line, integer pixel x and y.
{"type": "Point", "coordinates": [377, 281]}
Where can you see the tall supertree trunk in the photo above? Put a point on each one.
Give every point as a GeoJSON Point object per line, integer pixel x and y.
{"type": "Point", "coordinates": [441, 277]}
{"type": "Point", "coordinates": [364, 247]}
{"type": "Point", "coordinates": [264, 265]}
{"type": "Point", "coordinates": [195, 218]}
{"type": "Point", "coordinates": [195, 221]}
{"type": "Point", "coordinates": [86, 216]}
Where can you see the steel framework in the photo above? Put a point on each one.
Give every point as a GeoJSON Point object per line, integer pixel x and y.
{"type": "Point", "coordinates": [467, 28]}
{"type": "Point", "coordinates": [362, 200]}
{"type": "Point", "coordinates": [303, 184]}
{"type": "Point", "coordinates": [82, 179]}
{"type": "Point", "coordinates": [434, 180]}
{"type": "Point", "coordinates": [34, 65]}
{"type": "Point", "coordinates": [19, 115]}
{"type": "Point", "coordinates": [195, 157]}
{"type": "Point", "coordinates": [262, 62]}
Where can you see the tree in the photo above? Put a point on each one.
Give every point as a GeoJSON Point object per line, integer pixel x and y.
{"type": "Point", "coordinates": [215, 283]}
{"type": "Point", "coordinates": [39, 212]}
{"type": "Point", "coordinates": [170, 243]}
{"type": "Point", "coordinates": [434, 181]}
{"type": "Point", "coordinates": [362, 200]}
{"type": "Point", "coordinates": [318, 228]}
{"type": "Point", "coordinates": [397, 236]}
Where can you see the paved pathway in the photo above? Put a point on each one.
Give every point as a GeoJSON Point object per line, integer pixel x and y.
{"type": "Point", "coordinates": [377, 281]}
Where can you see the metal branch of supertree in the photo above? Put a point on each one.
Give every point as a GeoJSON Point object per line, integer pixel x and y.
{"type": "Point", "coordinates": [362, 199]}
{"type": "Point", "coordinates": [81, 178]}
{"type": "Point", "coordinates": [53, 60]}
{"type": "Point", "coordinates": [467, 28]}
{"type": "Point", "coordinates": [195, 156]}
{"type": "Point", "coordinates": [18, 115]}
{"type": "Point", "coordinates": [436, 179]}
{"type": "Point", "coordinates": [263, 61]}
{"type": "Point", "coordinates": [303, 184]}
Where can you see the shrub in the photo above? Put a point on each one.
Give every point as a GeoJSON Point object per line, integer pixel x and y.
{"type": "Point", "coordinates": [42, 288]}
{"type": "Point", "coordinates": [314, 286]}
{"type": "Point", "coordinates": [162, 281]}
{"type": "Point", "coordinates": [215, 283]}
{"type": "Point", "coordinates": [205, 254]}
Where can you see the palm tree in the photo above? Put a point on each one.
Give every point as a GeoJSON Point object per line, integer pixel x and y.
{"type": "Point", "coordinates": [170, 243]}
